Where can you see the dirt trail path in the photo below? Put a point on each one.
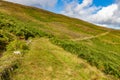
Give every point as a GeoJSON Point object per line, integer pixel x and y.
{"type": "Point", "coordinates": [91, 37]}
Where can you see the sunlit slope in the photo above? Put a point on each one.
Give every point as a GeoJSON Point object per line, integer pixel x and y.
{"type": "Point", "coordinates": [59, 25]}
{"type": "Point", "coordinates": [99, 46]}
{"type": "Point", "coordinates": [46, 61]}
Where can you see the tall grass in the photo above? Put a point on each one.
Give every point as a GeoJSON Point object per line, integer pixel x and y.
{"type": "Point", "coordinates": [101, 58]}
{"type": "Point", "coordinates": [11, 29]}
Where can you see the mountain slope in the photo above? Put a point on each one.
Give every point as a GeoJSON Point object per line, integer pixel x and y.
{"type": "Point", "coordinates": [99, 46]}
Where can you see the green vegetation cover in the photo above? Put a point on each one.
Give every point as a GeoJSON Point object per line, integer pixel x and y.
{"type": "Point", "coordinates": [48, 46]}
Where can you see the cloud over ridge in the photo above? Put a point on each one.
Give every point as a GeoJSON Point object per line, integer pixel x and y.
{"type": "Point", "coordinates": [86, 10]}
{"type": "Point", "coordinates": [36, 3]}
{"type": "Point", "coordinates": [109, 16]}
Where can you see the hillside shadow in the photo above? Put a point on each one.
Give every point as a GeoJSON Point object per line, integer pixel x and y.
{"type": "Point", "coordinates": [1, 53]}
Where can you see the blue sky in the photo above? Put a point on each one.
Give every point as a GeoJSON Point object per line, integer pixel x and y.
{"type": "Point", "coordinates": [103, 2]}
{"type": "Point", "coordinates": [60, 4]}
{"type": "Point", "coordinates": [99, 12]}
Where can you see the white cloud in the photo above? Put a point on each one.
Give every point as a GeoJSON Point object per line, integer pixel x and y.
{"type": "Point", "coordinates": [105, 15]}
{"type": "Point", "coordinates": [37, 3]}
{"type": "Point", "coordinates": [81, 11]}
{"type": "Point", "coordinates": [109, 16]}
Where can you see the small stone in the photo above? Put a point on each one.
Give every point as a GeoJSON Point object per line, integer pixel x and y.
{"type": "Point", "coordinates": [17, 52]}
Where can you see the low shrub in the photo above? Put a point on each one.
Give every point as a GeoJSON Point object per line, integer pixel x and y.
{"type": "Point", "coordinates": [17, 45]}
{"type": "Point", "coordinates": [96, 58]}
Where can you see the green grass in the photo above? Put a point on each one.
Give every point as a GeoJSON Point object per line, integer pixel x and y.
{"type": "Point", "coordinates": [8, 63]}
{"type": "Point", "coordinates": [101, 54]}
{"type": "Point", "coordinates": [83, 39]}
{"type": "Point", "coordinates": [46, 61]}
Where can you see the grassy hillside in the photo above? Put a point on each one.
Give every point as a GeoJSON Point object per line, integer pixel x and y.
{"type": "Point", "coordinates": [94, 45]}
{"type": "Point", "coordinates": [46, 61]}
